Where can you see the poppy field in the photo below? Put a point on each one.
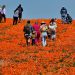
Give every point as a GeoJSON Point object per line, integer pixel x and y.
{"type": "Point", "coordinates": [57, 58]}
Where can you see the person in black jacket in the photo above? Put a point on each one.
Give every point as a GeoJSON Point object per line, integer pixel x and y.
{"type": "Point", "coordinates": [27, 32]}
{"type": "Point", "coordinates": [69, 19]}
{"type": "Point", "coordinates": [20, 9]}
{"type": "Point", "coordinates": [63, 13]}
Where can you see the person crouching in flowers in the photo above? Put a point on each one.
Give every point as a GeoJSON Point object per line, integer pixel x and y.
{"type": "Point", "coordinates": [43, 29]}
{"type": "Point", "coordinates": [53, 27]}
{"type": "Point", "coordinates": [33, 37]}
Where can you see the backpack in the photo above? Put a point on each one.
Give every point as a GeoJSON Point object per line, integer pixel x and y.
{"type": "Point", "coordinates": [44, 28]}
{"type": "Point", "coordinates": [28, 29]}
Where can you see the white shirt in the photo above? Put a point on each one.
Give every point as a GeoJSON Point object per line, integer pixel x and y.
{"type": "Point", "coordinates": [53, 26]}
{"type": "Point", "coordinates": [16, 14]}
{"type": "Point", "coordinates": [3, 11]}
{"type": "Point", "coordinates": [0, 9]}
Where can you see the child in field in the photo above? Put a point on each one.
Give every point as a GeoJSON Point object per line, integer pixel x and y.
{"type": "Point", "coordinates": [33, 37]}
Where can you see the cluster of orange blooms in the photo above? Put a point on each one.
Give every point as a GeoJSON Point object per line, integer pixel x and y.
{"type": "Point", "coordinates": [58, 58]}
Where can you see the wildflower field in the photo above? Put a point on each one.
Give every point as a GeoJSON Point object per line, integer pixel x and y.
{"type": "Point", "coordinates": [57, 58]}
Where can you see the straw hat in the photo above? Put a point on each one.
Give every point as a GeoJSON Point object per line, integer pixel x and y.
{"type": "Point", "coordinates": [43, 22]}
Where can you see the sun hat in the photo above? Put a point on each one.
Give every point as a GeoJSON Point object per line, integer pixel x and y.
{"type": "Point", "coordinates": [43, 22]}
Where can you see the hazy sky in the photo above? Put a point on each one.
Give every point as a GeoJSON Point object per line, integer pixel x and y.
{"type": "Point", "coordinates": [39, 8]}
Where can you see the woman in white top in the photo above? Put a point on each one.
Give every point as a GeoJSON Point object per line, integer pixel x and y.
{"type": "Point", "coordinates": [43, 29]}
{"type": "Point", "coordinates": [0, 14]}
{"type": "Point", "coordinates": [3, 12]}
{"type": "Point", "coordinates": [15, 17]}
{"type": "Point", "coordinates": [52, 28]}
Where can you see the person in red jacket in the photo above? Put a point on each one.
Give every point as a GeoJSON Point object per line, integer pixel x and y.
{"type": "Point", "coordinates": [36, 27]}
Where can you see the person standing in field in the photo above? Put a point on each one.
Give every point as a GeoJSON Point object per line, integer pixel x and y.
{"type": "Point", "coordinates": [20, 9]}
{"type": "Point", "coordinates": [52, 27]}
{"type": "Point", "coordinates": [43, 29]}
{"type": "Point", "coordinates": [63, 13]}
{"type": "Point", "coordinates": [36, 27]}
{"type": "Point", "coordinates": [0, 14]}
{"type": "Point", "coordinates": [33, 37]}
{"type": "Point", "coordinates": [27, 32]}
{"type": "Point", "coordinates": [15, 18]}
{"type": "Point", "coordinates": [3, 12]}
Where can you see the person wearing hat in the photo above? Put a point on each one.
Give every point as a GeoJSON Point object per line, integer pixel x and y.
{"type": "Point", "coordinates": [43, 29]}
{"type": "Point", "coordinates": [52, 27]}
{"type": "Point", "coordinates": [33, 37]}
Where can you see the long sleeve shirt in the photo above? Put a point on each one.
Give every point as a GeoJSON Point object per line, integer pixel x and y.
{"type": "Point", "coordinates": [3, 11]}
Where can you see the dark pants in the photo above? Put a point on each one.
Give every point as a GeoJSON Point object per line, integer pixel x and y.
{"type": "Point", "coordinates": [37, 37]}
{"type": "Point", "coordinates": [15, 20]}
{"type": "Point", "coordinates": [52, 32]}
{"type": "Point", "coordinates": [20, 16]}
{"type": "Point", "coordinates": [27, 36]}
{"type": "Point", "coordinates": [49, 35]}
{"type": "Point", "coordinates": [27, 41]}
{"type": "Point", "coordinates": [4, 16]}
{"type": "Point", "coordinates": [33, 41]}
